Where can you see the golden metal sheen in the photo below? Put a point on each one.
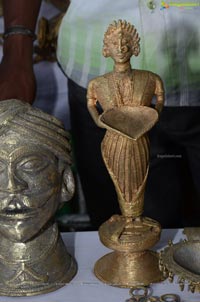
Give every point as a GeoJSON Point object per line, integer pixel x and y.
{"type": "Point", "coordinates": [47, 35]}
{"type": "Point", "coordinates": [125, 97]}
{"type": "Point", "coordinates": [35, 178]}
{"type": "Point", "coordinates": [144, 293]}
{"type": "Point", "coordinates": [182, 259]}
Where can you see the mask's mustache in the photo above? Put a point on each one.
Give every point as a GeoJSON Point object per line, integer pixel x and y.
{"type": "Point", "coordinates": [15, 204]}
{"type": "Point", "coordinates": [19, 203]}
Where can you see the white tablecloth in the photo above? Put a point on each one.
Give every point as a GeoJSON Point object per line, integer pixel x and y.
{"type": "Point", "coordinates": [85, 287]}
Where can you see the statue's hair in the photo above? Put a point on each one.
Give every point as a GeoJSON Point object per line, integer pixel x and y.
{"type": "Point", "coordinates": [125, 27]}
{"type": "Point", "coordinates": [35, 126]}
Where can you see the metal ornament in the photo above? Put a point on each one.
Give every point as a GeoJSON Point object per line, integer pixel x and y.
{"type": "Point", "coordinates": [144, 294]}
{"type": "Point", "coordinates": [125, 96]}
{"type": "Point", "coordinates": [35, 178]}
{"type": "Point", "coordinates": [181, 259]}
{"type": "Point", "coordinates": [139, 294]}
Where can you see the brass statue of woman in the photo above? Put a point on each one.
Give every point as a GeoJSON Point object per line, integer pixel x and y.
{"type": "Point", "coordinates": [126, 159]}
{"type": "Point", "coordinates": [125, 96]}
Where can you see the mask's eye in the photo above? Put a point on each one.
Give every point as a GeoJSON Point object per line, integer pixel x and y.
{"type": "Point", "coordinates": [2, 166]}
{"type": "Point", "coordinates": [32, 164]}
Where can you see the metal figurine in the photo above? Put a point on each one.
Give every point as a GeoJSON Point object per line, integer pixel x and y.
{"type": "Point", "coordinates": [125, 96]}
{"type": "Point", "coordinates": [35, 178]}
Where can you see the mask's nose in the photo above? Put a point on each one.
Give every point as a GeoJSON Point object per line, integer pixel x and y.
{"type": "Point", "coordinates": [15, 204]}
{"type": "Point", "coordinates": [122, 48]}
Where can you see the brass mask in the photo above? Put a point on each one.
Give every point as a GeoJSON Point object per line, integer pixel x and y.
{"type": "Point", "coordinates": [35, 176]}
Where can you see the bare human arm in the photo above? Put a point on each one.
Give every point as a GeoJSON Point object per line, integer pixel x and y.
{"type": "Point", "coordinates": [17, 78]}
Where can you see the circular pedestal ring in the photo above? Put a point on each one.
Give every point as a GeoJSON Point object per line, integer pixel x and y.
{"type": "Point", "coordinates": [128, 269]}
{"type": "Point", "coordinates": [136, 236]}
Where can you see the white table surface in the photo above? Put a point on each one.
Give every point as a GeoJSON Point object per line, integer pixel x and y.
{"type": "Point", "coordinates": [85, 287]}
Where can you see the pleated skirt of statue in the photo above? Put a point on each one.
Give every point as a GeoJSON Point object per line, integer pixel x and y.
{"type": "Point", "coordinates": [127, 163]}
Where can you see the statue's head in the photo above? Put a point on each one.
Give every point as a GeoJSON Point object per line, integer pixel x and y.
{"type": "Point", "coordinates": [35, 174]}
{"type": "Point", "coordinates": [121, 41]}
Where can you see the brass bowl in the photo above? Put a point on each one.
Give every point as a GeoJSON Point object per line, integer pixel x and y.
{"type": "Point", "coordinates": [188, 257]}
{"type": "Point", "coordinates": [182, 259]}
{"type": "Point", "coordinates": [130, 121]}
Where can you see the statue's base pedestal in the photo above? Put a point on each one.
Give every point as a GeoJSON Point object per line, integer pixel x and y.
{"type": "Point", "coordinates": [128, 269]}
{"type": "Point", "coordinates": [131, 263]}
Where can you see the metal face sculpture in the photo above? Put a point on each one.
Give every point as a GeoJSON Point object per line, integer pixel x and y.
{"type": "Point", "coordinates": [125, 96]}
{"type": "Point", "coordinates": [35, 177]}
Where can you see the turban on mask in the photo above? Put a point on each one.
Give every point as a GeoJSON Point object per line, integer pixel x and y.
{"type": "Point", "coordinates": [33, 125]}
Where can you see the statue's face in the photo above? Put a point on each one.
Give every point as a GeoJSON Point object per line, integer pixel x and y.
{"type": "Point", "coordinates": [119, 47]}
{"type": "Point", "coordinates": [30, 185]}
